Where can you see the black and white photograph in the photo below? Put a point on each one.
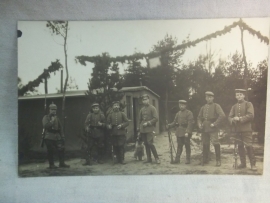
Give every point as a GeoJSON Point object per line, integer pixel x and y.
{"type": "Point", "coordinates": [142, 97]}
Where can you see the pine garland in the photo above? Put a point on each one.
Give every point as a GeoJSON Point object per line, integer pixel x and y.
{"type": "Point", "coordinates": [55, 66]}
{"type": "Point", "coordinates": [122, 59]}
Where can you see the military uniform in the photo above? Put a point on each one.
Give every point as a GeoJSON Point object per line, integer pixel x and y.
{"type": "Point", "coordinates": [54, 138]}
{"type": "Point", "coordinates": [147, 121]}
{"type": "Point", "coordinates": [184, 122]}
{"type": "Point", "coordinates": [242, 129]}
{"type": "Point", "coordinates": [116, 118]}
{"type": "Point", "coordinates": [95, 124]}
{"type": "Point", "coordinates": [210, 118]}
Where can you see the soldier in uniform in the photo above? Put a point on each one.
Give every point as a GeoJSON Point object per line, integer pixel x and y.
{"type": "Point", "coordinates": [147, 121]}
{"type": "Point", "coordinates": [54, 137]}
{"type": "Point", "coordinates": [94, 126]}
{"type": "Point", "coordinates": [117, 122]}
{"type": "Point", "coordinates": [184, 122]}
{"type": "Point", "coordinates": [210, 118]}
{"type": "Point", "coordinates": [240, 117]}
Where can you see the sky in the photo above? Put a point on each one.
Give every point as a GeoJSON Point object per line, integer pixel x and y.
{"type": "Point", "coordinates": [37, 47]}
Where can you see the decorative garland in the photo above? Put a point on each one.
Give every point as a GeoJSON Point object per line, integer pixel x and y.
{"type": "Point", "coordinates": [83, 59]}
{"type": "Point", "coordinates": [55, 66]}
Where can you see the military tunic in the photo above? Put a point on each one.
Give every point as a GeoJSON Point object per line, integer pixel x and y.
{"type": "Point", "coordinates": [148, 114]}
{"type": "Point", "coordinates": [210, 114]}
{"type": "Point", "coordinates": [245, 111]}
{"type": "Point", "coordinates": [53, 130]}
{"type": "Point", "coordinates": [92, 121]}
{"type": "Point", "coordinates": [184, 120]}
{"type": "Point", "coordinates": [116, 118]}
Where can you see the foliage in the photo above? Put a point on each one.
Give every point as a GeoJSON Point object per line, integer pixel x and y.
{"type": "Point", "coordinates": [105, 83]}
{"type": "Point", "coordinates": [22, 90]}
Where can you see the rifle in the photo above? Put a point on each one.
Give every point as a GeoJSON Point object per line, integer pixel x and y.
{"type": "Point", "coordinates": [110, 127]}
{"type": "Point", "coordinates": [170, 142]}
{"type": "Point", "coordinates": [235, 155]}
{"type": "Point", "coordinates": [42, 138]}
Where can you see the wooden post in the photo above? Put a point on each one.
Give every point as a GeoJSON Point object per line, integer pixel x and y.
{"type": "Point", "coordinates": [245, 62]}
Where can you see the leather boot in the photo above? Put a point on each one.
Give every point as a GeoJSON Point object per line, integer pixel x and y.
{"type": "Point", "coordinates": [242, 155]}
{"type": "Point", "coordinates": [178, 154]}
{"type": "Point", "coordinates": [51, 160]}
{"type": "Point", "coordinates": [121, 154]}
{"type": "Point", "coordinates": [206, 149]}
{"type": "Point", "coordinates": [252, 159]}
{"type": "Point", "coordinates": [148, 154]}
{"type": "Point", "coordinates": [99, 159]}
{"type": "Point", "coordinates": [61, 160]}
{"type": "Point", "coordinates": [217, 152]}
{"type": "Point", "coordinates": [188, 152]}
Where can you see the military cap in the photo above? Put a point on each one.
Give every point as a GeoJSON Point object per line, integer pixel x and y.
{"type": "Point", "coordinates": [95, 104]}
{"type": "Point", "coordinates": [52, 106]}
{"type": "Point", "coordinates": [209, 93]}
{"type": "Point", "coordinates": [115, 102]}
{"type": "Point", "coordinates": [145, 96]}
{"type": "Point", "coordinates": [182, 102]}
{"type": "Point", "coordinates": [240, 91]}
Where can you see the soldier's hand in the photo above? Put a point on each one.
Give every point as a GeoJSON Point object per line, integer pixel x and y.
{"type": "Point", "coordinates": [52, 118]}
{"type": "Point", "coordinates": [236, 118]}
{"type": "Point", "coordinates": [99, 123]}
{"type": "Point", "coordinates": [212, 125]}
{"type": "Point", "coordinates": [119, 126]}
{"type": "Point", "coordinates": [109, 126]}
{"type": "Point", "coordinates": [145, 124]}
{"type": "Point", "coordinates": [186, 134]}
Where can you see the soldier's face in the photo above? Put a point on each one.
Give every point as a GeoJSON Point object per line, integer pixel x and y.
{"type": "Point", "coordinates": [182, 106]}
{"type": "Point", "coordinates": [239, 96]}
{"type": "Point", "coordinates": [116, 106]}
{"type": "Point", "coordinates": [53, 111]}
{"type": "Point", "coordinates": [95, 109]}
{"type": "Point", "coordinates": [209, 99]}
{"type": "Point", "coordinates": [145, 101]}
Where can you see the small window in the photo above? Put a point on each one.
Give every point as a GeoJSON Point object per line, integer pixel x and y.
{"type": "Point", "coordinates": [154, 103]}
{"type": "Point", "coordinates": [129, 109]}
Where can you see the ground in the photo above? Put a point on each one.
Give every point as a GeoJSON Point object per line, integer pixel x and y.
{"type": "Point", "coordinates": [134, 167]}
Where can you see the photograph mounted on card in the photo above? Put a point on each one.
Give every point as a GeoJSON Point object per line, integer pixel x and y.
{"type": "Point", "coordinates": [142, 97]}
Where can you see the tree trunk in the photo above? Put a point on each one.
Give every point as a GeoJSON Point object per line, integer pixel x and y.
{"type": "Point", "coordinates": [245, 62]}
{"type": "Point", "coordinates": [66, 80]}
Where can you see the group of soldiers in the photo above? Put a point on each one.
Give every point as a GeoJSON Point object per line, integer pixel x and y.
{"type": "Point", "coordinates": [209, 122]}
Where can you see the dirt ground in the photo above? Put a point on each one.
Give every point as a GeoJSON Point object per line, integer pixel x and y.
{"type": "Point", "coordinates": [134, 167]}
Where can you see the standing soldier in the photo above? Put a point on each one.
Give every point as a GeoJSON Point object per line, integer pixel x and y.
{"type": "Point", "coordinates": [54, 137]}
{"type": "Point", "coordinates": [94, 126]}
{"type": "Point", "coordinates": [147, 121]}
{"type": "Point", "coordinates": [117, 122]}
{"type": "Point", "coordinates": [210, 118]}
{"type": "Point", "coordinates": [240, 118]}
{"type": "Point", "coordinates": [184, 122]}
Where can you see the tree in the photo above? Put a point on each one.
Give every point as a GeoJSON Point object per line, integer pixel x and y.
{"type": "Point", "coordinates": [135, 74]}
{"type": "Point", "coordinates": [105, 83]}
{"type": "Point", "coordinates": [60, 28]}
{"type": "Point", "coordinates": [162, 79]}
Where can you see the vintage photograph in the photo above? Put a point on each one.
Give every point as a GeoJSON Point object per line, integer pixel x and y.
{"type": "Point", "coordinates": [150, 97]}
